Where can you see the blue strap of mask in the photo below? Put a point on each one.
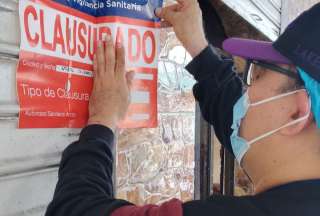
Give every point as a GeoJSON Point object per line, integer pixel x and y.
{"type": "Point", "coordinates": [313, 88]}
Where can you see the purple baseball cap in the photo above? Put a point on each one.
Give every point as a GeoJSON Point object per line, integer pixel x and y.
{"type": "Point", "coordinates": [254, 50]}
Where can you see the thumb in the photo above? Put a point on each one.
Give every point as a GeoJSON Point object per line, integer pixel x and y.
{"type": "Point", "coordinates": [168, 13]}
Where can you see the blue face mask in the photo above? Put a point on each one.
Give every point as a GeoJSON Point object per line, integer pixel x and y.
{"type": "Point", "coordinates": [240, 146]}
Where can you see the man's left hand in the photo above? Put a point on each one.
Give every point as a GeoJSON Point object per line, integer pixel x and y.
{"type": "Point", "coordinates": [110, 96]}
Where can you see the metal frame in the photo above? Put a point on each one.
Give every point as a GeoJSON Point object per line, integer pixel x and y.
{"type": "Point", "coordinates": [203, 171]}
{"type": "Point", "coordinates": [203, 157]}
{"type": "Point", "coordinates": [227, 173]}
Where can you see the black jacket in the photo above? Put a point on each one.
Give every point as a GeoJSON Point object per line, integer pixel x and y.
{"type": "Point", "coordinates": [85, 177]}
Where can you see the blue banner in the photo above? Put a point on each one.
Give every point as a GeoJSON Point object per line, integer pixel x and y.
{"type": "Point", "coordinates": [137, 9]}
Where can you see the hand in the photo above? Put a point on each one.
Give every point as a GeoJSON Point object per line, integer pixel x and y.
{"type": "Point", "coordinates": [186, 19]}
{"type": "Point", "coordinates": [110, 96]}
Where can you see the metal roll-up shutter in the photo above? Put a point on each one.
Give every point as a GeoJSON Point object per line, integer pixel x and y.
{"type": "Point", "coordinates": [292, 9]}
{"type": "Point", "coordinates": [265, 15]}
{"type": "Point", "coordinates": [27, 193]}
{"type": "Point", "coordinates": [27, 179]}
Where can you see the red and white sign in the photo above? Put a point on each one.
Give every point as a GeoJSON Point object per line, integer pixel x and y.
{"type": "Point", "coordinates": [54, 76]}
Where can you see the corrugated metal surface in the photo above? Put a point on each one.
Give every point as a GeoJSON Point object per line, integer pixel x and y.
{"type": "Point", "coordinates": [265, 15]}
{"type": "Point", "coordinates": [28, 193]}
{"type": "Point", "coordinates": [292, 9]}
{"type": "Point", "coordinates": [25, 150]}
{"type": "Point", "coordinates": [26, 183]}
{"type": "Point", "coordinates": [9, 27]}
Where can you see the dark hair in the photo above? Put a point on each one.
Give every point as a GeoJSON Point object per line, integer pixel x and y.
{"type": "Point", "coordinates": [292, 84]}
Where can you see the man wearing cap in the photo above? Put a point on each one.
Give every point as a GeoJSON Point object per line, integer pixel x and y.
{"type": "Point", "coordinates": [270, 121]}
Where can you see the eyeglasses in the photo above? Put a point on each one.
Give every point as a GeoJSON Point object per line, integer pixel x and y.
{"type": "Point", "coordinates": [248, 77]}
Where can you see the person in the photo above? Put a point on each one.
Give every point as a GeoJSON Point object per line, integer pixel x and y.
{"type": "Point", "coordinates": [269, 120]}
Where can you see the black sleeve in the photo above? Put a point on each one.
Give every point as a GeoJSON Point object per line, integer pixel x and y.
{"type": "Point", "coordinates": [85, 184]}
{"type": "Point", "coordinates": [217, 90]}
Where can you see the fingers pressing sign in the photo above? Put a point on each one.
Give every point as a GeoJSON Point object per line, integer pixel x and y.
{"type": "Point", "coordinates": [185, 17]}
{"type": "Point", "coordinates": [110, 56]}
{"type": "Point", "coordinates": [110, 96]}
{"type": "Point", "coordinates": [100, 60]}
{"type": "Point", "coordinates": [168, 13]}
{"type": "Point", "coordinates": [120, 69]}
{"type": "Point", "coordinates": [109, 60]}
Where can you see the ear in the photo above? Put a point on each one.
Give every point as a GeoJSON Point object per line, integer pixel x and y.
{"type": "Point", "coordinates": [302, 109]}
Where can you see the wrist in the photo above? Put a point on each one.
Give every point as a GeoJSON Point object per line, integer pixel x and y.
{"type": "Point", "coordinates": [198, 47]}
{"type": "Point", "coordinates": [105, 122]}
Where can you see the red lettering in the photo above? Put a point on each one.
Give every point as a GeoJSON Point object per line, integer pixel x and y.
{"type": "Point", "coordinates": [79, 38]}
{"type": "Point", "coordinates": [82, 46]}
{"type": "Point", "coordinates": [71, 51]}
{"type": "Point", "coordinates": [58, 36]}
{"type": "Point", "coordinates": [45, 45]}
{"type": "Point", "coordinates": [146, 35]}
{"type": "Point", "coordinates": [33, 41]}
{"type": "Point", "coordinates": [133, 33]}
